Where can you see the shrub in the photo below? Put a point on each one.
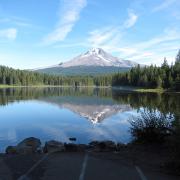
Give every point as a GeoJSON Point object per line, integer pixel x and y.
{"type": "Point", "coordinates": [151, 127]}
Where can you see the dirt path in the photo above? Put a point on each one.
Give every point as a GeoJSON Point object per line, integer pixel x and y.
{"type": "Point", "coordinates": [94, 166]}
{"type": "Point", "coordinates": [5, 173]}
{"type": "Point", "coordinates": [80, 166]}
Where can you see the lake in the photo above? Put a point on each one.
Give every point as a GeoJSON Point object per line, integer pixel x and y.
{"type": "Point", "coordinates": [85, 113]}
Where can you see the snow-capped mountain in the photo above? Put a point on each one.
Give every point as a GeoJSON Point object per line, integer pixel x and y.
{"type": "Point", "coordinates": [97, 57]}
{"type": "Point", "coordinates": [97, 113]}
{"type": "Point", "coordinates": [93, 62]}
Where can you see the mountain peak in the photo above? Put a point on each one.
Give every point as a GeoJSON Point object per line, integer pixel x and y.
{"type": "Point", "coordinates": [95, 51]}
{"type": "Point", "coordinates": [97, 57]}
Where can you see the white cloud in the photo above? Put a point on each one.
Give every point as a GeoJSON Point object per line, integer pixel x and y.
{"type": "Point", "coordinates": [69, 14]}
{"type": "Point", "coordinates": [166, 36]}
{"type": "Point", "coordinates": [156, 48]}
{"type": "Point", "coordinates": [101, 36]}
{"type": "Point", "coordinates": [132, 19]}
{"type": "Point", "coordinates": [16, 21]}
{"type": "Point", "coordinates": [165, 4]}
{"type": "Point", "coordinates": [10, 33]}
{"type": "Point", "coordinates": [106, 37]}
{"type": "Point", "coordinates": [148, 51]}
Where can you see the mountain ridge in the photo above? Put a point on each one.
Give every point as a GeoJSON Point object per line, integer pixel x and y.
{"type": "Point", "coordinates": [97, 57]}
{"type": "Point", "coordinates": [94, 61]}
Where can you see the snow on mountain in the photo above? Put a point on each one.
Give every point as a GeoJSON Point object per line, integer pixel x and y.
{"type": "Point", "coordinates": [97, 57]}
{"type": "Point", "coordinates": [97, 113]}
{"type": "Point", "coordinates": [93, 62]}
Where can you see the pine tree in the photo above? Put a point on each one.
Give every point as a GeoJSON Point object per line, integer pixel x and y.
{"type": "Point", "coordinates": [165, 64]}
{"type": "Point", "coordinates": [158, 82]}
{"type": "Point", "coordinates": [178, 57]}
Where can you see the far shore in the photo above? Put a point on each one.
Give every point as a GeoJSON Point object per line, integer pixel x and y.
{"type": "Point", "coordinates": [123, 88]}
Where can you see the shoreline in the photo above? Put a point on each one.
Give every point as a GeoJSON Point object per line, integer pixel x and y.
{"type": "Point", "coordinates": [122, 88]}
{"type": "Point", "coordinates": [152, 156]}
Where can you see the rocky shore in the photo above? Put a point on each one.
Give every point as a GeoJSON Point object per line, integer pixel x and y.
{"type": "Point", "coordinates": [153, 158]}
{"type": "Point", "coordinates": [33, 145]}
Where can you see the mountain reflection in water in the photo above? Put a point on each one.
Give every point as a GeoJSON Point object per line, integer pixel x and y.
{"type": "Point", "coordinates": [85, 113]}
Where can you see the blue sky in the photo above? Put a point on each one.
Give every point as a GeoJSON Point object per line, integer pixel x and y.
{"type": "Point", "coordinates": [46, 32]}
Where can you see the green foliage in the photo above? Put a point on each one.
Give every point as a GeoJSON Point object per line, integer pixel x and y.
{"type": "Point", "coordinates": [151, 127]}
{"type": "Point", "coordinates": [178, 57]}
{"type": "Point", "coordinates": [166, 77]}
{"type": "Point", "coordinates": [9, 76]}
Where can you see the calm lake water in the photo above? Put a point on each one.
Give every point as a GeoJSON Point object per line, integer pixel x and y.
{"type": "Point", "coordinates": [85, 113]}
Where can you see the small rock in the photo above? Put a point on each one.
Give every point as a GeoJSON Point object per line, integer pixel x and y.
{"type": "Point", "coordinates": [29, 145]}
{"type": "Point", "coordinates": [11, 150]}
{"type": "Point", "coordinates": [53, 146]}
